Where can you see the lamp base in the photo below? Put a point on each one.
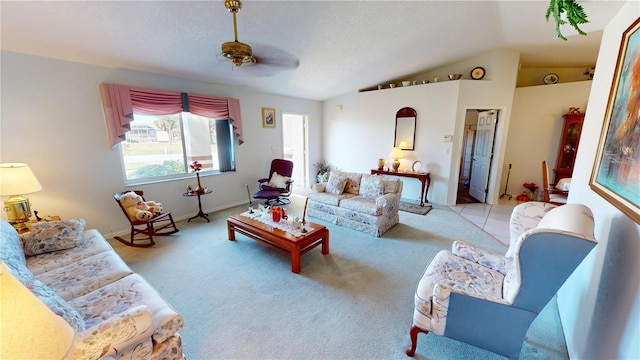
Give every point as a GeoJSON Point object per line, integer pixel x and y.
{"type": "Point", "coordinates": [395, 165]}
{"type": "Point", "coordinates": [18, 209]}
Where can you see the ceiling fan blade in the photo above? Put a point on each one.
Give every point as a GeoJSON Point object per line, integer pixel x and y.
{"type": "Point", "coordinates": [272, 56]}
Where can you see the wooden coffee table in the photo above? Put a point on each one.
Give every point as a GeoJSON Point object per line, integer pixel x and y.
{"type": "Point", "coordinates": [278, 239]}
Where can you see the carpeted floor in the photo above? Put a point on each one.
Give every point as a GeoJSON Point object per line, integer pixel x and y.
{"type": "Point", "coordinates": [240, 299]}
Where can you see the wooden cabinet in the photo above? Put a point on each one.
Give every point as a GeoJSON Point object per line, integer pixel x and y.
{"type": "Point", "coordinates": [568, 145]}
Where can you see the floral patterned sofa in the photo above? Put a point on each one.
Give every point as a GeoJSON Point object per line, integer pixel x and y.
{"type": "Point", "coordinates": [114, 312]}
{"type": "Point", "coordinates": [363, 202]}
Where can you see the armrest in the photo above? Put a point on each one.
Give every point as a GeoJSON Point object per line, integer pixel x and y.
{"type": "Point", "coordinates": [482, 257]}
{"type": "Point", "coordinates": [386, 199]}
{"type": "Point", "coordinates": [260, 181]}
{"type": "Point", "coordinates": [440, 305]}
{"type": "Point", "coordinates": [113, 335]}
{"type": "Point", "coordinates": [319, 187]}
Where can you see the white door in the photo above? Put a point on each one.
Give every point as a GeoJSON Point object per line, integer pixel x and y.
{"type": "Point", "coordinates": [482, 154]}
{"type": "Point", "coordinates": [294, 146]}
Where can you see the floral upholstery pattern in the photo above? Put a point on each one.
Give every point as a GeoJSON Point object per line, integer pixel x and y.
{"type": "Point", "coordinates": [371, 186]}
{"type": "Point", "coordinates": [114, 312]}
{"type": "Point", "coordinates": [372, 216]}
{"type": "Point", "coordinates": [86, 275]}
{"type": "Point", "coordinates": [448, 273]}
{"type": "Point", "coordinates": [57, 304]}
{"type": "Point", "coordinates": [117, 333]}
{"type": "Point", "coordinates": [11, 251]}
{"type": "Point", "coordinates": [336, 183]}
{"type": "Point", "coordinates": [92, 243]}
{"type": "Point", "coordinates": [128, 292]}
{"type": "Point", "coordinates": [524, 217]}
{"type": "Point", "coordinates": [485, 258]}
{"type": "Point", "coordinates": [48, 236]}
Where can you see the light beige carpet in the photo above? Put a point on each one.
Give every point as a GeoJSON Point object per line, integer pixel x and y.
{"type": "Point", "coordinates": [240, 299]}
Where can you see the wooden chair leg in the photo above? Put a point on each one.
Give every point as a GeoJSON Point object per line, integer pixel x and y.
{"type": "Point", "coordinates": [413, 333]}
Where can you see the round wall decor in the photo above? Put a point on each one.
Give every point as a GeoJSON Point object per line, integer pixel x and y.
{"type": "Point", "coordinates": [551, 78]}
{"type": "Point", "coordinates": [477, 73]}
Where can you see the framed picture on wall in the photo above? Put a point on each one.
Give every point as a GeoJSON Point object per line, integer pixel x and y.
{"type": "Point", "coordinates": [268, 117]}
{"type": "Point", "coordinates": [616, 170]}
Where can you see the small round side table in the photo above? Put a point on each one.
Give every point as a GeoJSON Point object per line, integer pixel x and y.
{"type": "Point", "coordinates": [200, 212]}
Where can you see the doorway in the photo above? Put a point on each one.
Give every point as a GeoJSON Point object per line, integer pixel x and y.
{"type": "Point", "coordinates": [477, 155]}
{"type": "Point", "coordinates": [294, 145]}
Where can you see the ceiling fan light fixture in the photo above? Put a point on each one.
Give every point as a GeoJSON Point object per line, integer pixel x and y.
{"type": "Point", "coordinates": [238, 53]}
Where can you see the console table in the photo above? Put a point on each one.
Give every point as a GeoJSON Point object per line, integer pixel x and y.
{"type": "Point", "coordinates": [424, 177]}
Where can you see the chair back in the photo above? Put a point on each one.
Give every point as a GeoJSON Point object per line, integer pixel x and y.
{"type": "Point", "coordinates": [545, 181]}
{"type": "Point", "coordinates": [551, 195]}
{"type": "Point", "coordinates": [282, 167]}
{"type": "Point", "coordinates": [545, 256]}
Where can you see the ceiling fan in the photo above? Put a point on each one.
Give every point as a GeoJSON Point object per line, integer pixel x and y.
{"type": "Point", "coordinates": [235, 51]}
{"type": "Point", "coordinates": [241, 54]}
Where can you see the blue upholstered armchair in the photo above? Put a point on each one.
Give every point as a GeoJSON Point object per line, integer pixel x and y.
{"type": "Point", "coordinates": [490, 300]}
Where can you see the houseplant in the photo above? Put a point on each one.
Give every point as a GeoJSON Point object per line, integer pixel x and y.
{"type": "Point", "coordinates": [564, 11]}
{"type": "Point", "coordinates": [322, 171]}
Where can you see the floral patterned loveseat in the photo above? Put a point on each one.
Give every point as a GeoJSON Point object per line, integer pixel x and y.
{"type": "Point", "coordinates": [114, 312]}
{"type": "Point", "coordinates": [363, 202]}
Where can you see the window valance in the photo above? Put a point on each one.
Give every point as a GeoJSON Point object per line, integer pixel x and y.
{"type": "Point", "coordinates": [120, 102]}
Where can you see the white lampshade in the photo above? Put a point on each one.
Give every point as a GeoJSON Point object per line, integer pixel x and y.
{"type": "Point", "coordinates": [17, 179]}
{"type": "Point", "coordinates": [30, 330]}
{"type": "Point", "coordinates": [396, 153]}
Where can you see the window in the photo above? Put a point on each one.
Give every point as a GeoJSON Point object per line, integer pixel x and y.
{"type": "Point", "coordinates": [160, 147]}
{"type": "Point", "coordinates": [165, 131]}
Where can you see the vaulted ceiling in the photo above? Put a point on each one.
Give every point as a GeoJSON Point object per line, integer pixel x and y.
{"type": "Point", "coordinates": [322, 48]}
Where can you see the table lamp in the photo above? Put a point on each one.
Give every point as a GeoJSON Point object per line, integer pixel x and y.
{"type": "Point", "coordinates": [17, 179]}
{"type": "Point", "coordinates": [396, 155]}
{"type": "Point", "coordinates": [30, 330]}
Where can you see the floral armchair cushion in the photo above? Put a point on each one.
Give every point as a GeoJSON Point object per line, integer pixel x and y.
{"type": "Point", "coordinates": [51, 236]}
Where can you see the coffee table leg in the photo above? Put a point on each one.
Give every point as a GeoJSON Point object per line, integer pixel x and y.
{"type": "Point", "coordinates": [325, 243]}
{"type": "Point", "coordinates": [230, 231]}
{"type": "Point", "coordinates": [295, 260]}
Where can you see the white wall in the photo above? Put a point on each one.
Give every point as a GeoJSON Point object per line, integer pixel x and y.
{"type": "Point", "coordinates": [52, 119]}
{"type": "Point", "coordinates": [535, 130]}
{"type": "Point", "coordinates": [363, 131]}
{"type": "Point", "coordinates": [600, 303]}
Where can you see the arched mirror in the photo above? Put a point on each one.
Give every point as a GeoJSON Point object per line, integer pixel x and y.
{"type": "Point", "coordinates": [405, 129]}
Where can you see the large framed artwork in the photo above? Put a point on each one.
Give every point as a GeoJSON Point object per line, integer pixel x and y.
{"type": "Point", "coordinates": [268, 117]}
{"type": "Point", "coordinates": [616, 170]}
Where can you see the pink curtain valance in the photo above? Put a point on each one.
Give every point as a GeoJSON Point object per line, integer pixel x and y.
{"type": "Point", "coordinates": [119, 103]}
{"type": "Point", "coordinates": [236, 118]}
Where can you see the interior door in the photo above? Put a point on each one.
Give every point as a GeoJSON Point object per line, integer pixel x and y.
{"type": "Point", "coordinates": [294, 145]}
{"type": "Point", "coordinates": [482, 154]}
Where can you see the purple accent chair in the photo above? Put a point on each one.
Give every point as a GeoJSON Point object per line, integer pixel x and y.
{"type": "Point", "coordinates": [276, 195]}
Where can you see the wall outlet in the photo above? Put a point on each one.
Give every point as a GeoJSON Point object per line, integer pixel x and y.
{"type": "Point", "coordinates": [448, 138]}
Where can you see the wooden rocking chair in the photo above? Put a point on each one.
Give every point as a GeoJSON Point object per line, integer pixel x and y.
{"type": "Point", "coordinates": [142, 231]}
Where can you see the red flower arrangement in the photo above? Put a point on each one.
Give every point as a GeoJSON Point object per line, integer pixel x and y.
{"type": "Point", "coordinates": [196, 166]}
{"type": "Point", "coordinates": [530, 186]}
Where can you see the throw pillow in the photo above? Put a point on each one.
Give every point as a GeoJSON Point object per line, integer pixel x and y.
{"type": "Point", "coordinates": [278, 181]}
{"type": "Point", "coordinates": [48, 236]}
{"type": "Point", "coordinates": [353, 183]}
{"type": "Point", "coordinates": [371, 186]}
{"type": "Point", "coordinates": [336, 183]}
